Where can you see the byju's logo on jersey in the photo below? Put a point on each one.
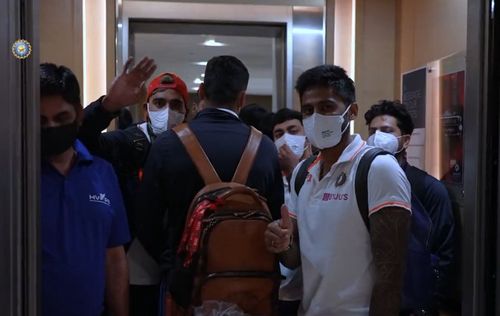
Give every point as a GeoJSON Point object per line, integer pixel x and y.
{"type": "Point", "coordinates": [99, 198]}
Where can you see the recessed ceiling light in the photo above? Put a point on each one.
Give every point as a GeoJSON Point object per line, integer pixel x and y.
{"type": "Point", "coordinates": [203, 75]}
{"type": "Point", "coordinates": [213, 43]}
{"type": "Point", "coordinates": [201, 63]}
{"type": "Point", "coordinates": [306, 31]}
{"type": "Point", "coordinates": [197, 81]}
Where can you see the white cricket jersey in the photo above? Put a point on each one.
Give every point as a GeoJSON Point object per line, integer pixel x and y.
{"type": "Point", "coordinates": [337, 265]}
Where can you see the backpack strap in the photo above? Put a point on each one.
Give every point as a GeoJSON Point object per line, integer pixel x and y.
{"type": "Point", "coordinates": [302, 173]}
{"type": "Point", "coordinates": [361, 181]}
{"type": "Point", "coordinates": [197, 154]}
{"type": "Point", "coordinates": [248, 157]}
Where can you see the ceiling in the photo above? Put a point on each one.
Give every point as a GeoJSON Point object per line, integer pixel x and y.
{"type": "Point", "coordinates": [256, 2]}
{"type": "Point", "coordinates": [179, 52]}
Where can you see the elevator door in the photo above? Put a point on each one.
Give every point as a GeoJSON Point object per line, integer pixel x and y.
{"type": "Point", "coordinates": [19, 158]}
{"type": "Point", "coordinates": [185, 48]}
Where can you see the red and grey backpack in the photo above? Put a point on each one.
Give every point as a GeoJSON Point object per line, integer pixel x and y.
{"type": "Point", "coordinates": [222, 256]}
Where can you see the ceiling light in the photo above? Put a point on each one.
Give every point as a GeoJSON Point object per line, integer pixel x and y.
{"type": "Point", "coordinates": [203, 75]}
{"type": "Point", "coordinates": [195, 88]}
{"type": "Point", "coordinates": [197, 81]}
{"type": "Point", "coordinates": [306, 31]}
{"type": "Point", "coordinates": [213, 43]}
{"type": "Point", "coordinates": [201, 63]}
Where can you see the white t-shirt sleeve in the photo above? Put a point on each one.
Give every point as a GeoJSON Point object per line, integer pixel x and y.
{"type": "Point", "coordinates": [387, 185]}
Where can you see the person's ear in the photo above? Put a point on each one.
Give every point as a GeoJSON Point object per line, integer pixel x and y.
{"type": "Point", "coordinates": [202, 94]}
{"type": "Point", "coordinates": [406, 140]}
{"type": "Point", "coordinates": [353, 111]}
{"type": "Point", "coordinates": [241, 100]}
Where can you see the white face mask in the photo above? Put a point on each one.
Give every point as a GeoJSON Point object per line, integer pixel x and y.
{"type": "Point", "coordinates": [386, 141]}
{"type": "Point", "coordinates": [325, 131]}
{"type": "Point", "coordinates": [164, 119]}
{"type": "Point", "coordinates": [296, 143]}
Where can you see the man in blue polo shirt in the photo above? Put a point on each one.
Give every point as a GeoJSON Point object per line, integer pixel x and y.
{"type": "Point", "coordinates": [83, 220]}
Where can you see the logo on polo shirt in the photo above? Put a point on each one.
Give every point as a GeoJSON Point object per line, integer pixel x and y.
{"type": "Point", "coordinates": [335, 197]}
{"type": "Point", "coordinates": [99, 198]}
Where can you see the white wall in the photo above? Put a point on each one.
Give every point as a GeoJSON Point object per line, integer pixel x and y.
{"type": "Point", "coordinates": [61, 34]}
{"type": "Point", "coordinates": [375, 53]}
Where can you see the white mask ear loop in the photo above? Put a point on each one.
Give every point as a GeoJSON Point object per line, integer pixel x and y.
{"type": "Point", "coordinates": [402, 148]}
{"type": "Point", "coordinates": [349, 121]}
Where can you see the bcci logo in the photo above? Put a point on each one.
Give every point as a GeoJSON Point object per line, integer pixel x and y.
{"type": "Point", "coordinates": [21, 49]}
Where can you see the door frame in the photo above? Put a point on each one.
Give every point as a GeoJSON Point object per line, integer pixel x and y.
{"type": "Point", "coordinates": [19, 183]}
{"type": "Point", "coordinates": [480, 187]}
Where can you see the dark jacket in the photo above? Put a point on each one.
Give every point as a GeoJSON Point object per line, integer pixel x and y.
{"type": "Point", "coordinates": [171, 179]}
{"type": "Point", "coordinates": [434, 197]}
{"type": "Point", "coordinates": [118, 147]}
{"type": "Point", "coordinates": [125, 149]}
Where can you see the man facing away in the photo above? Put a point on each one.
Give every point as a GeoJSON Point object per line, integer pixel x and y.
{"type": "Point", "coordinates": [346, 268]}
{"type": "Point", "coordinates": [171, 180]}
{"type": "Point", "coordinates": [83, 220]}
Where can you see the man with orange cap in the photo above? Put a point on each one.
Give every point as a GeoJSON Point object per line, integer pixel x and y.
{"type": "Point", "coordinates": [167, 101]}
{"type": "Point", "coordinates": [165, 106]}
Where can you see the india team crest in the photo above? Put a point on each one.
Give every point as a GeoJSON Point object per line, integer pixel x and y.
{"type": "Point", "coordinates": [21, 49]}
{"type": "Point", "coordinates": [341, 179]}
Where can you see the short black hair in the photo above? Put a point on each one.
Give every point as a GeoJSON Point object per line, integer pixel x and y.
{"type": "Point", "coordinates": [59, 81]}
{"type": "Point", "coordinates": [395, 109]}
{"type": "Point", "coordinates": [225, 78]}
{"type": "Point", "coordinates": [259, 117]}
{"type": "Point", "coordinates": [328, 76]}
{"type": "Point", "coordinates": [286, 114]}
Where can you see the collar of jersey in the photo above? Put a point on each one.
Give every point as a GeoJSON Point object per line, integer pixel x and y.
{"type": "Point", "coordinates": [347, 156]}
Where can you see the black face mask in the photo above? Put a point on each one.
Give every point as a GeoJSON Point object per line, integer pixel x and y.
{"type": "Point", "coordinates": [56, 140]}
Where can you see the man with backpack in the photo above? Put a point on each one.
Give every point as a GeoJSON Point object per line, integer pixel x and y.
{"type": "Point", "coordinates": [215, 146]}
{"type": "Point", "coordinates": [165, 107]}
{"type": "Point", "coordinates": [390, 127]}
{"type": "Point", "coordinates": [347, 269]}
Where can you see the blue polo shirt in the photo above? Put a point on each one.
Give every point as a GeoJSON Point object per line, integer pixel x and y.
{"type": "Point", "coordinates": [82, 215]}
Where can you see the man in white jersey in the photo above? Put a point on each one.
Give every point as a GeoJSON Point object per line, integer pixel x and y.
{"type": "Point", "coordinates": [347, 268]}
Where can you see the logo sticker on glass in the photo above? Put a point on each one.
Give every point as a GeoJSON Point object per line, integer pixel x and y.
{"type": "Point", "coordinates": [21, 49]}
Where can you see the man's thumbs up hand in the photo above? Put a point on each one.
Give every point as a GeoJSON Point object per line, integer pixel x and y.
{"type": "Point", "coordinates": [278, 235]}
{"type": "Point", "coordinates": [285, 221]}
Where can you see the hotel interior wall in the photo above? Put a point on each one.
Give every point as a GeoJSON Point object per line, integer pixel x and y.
{"type": "Point", "coordinates": [380, 40]}
{"type": "Point", "coordinates": [81, 35]}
